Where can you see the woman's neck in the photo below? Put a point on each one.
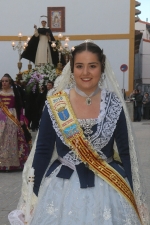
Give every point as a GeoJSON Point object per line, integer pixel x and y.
{"type": "Point", "coordinates": [85, 92]}
{"type": "Point", "coordinates": [7, 90]}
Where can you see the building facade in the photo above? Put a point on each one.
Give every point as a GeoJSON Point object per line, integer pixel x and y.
{"type": "Point", "coordinates": [142, 58]}
{"type": "Point", "coordinates": [111, 29]}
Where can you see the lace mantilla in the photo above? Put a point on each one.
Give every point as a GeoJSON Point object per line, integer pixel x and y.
{"type": "Point", "coordinates": [110, 109]}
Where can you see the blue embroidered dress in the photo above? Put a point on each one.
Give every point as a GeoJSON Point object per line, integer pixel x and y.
{"type": "Point", "coordinates": [70, 192]}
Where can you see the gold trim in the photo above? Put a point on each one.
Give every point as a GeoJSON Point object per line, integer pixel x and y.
{"type": "Point", "coordinates": [99, 37]}
{"type": "Point", "coordinates": [5, 98]}
{"type": "Point", "coordinates": [75, 37]}
{"type": "Point", "coordinates": [10, 115]}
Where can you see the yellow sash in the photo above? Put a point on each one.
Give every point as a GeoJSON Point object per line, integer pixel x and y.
{"type": "Point", "coordinates": [75, 139]}
{"type": "Point", "coordinates": [10, 115]}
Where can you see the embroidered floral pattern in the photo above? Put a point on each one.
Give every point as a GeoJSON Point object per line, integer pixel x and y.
{"type": "Point", "coordinates": [107, 213]}
{"type": "Point", "coordinates": [51, 209]}
{"type": "Point", "coordinates": [2, 126]}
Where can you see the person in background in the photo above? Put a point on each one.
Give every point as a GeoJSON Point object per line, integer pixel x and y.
{"type": "Point", "coordinates": [21, 90]}
{"type": "Point", "coordinates": [138, 106]}
{"type": "Point", "coordinates": [50, 85]}
{"type": "Point", "coordinates": [30, 109]}
{"type": "Point", "coordinates": [39, 104]}
{"type": "Point", "coordinates": [124, 93]}
{"type": "Point", "coordinates": [132, 95]}
{"type": "Point", "coordinates": [14, 148]}
{"type": "Point", "coordinates": [146, 106]}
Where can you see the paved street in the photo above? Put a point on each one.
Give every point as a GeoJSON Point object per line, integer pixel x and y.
{"type": "Point", "coordinates": [10, 183]}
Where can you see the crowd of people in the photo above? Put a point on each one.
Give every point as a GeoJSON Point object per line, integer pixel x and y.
{"type": "Point", "coordinates": [21, 110]}
{"type": "Point", "coordinates": [34, 102]}
{"type": "Point", "coordinates": [20, 113]}
{"type": "Point", "coordinates": [141, 105]}
{"type": "Point", "coordinates": [84, 125]}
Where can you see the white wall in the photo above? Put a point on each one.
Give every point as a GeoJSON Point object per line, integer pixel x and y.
{"type": "Point", "coordinates": [82, 17]}
{"type": "Point", "coordinates": [140, 26]}
{"type": "Point", "coordinates": [146, 62]}
{"type": "Point", "coordinates": [144, 53]}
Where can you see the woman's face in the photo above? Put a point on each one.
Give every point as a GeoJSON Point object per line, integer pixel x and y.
{"type": "Point", "coordinates": [87, 71]}
{"type": "Point", "coordinates": [5, 83]}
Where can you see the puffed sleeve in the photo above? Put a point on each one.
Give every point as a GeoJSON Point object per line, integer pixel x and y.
{"type": "Point", "coordinates": [44, 148]}
{"type": "Point", "coordinates": [121, 137]}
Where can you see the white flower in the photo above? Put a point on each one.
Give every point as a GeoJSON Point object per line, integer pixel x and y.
{"type": "Point", "coordinates": [42, 74]}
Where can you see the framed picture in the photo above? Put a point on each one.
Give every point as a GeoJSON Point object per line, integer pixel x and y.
{"type": "Point", "coordinates": [56, 18]}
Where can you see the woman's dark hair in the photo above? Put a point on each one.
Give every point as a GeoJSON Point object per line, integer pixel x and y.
{"type": "Point", "coordinates": [90, 47]}
{"type": "Point", "coordinates": [18, 101]}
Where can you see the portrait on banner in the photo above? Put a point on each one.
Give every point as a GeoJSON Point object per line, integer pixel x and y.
{"type": "Point", "coordinates": [56, 18]}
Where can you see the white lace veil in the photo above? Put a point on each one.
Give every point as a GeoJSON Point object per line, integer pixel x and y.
{"type": "Point", "coordinates": [65, 80]}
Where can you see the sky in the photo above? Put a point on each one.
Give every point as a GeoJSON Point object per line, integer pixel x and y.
{"type": "Point", "coordinates": [145, 10]}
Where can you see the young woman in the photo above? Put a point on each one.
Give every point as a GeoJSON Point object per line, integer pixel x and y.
{"type": "Point", "coordinates": [14, 149]}
{"type": "Point", "coordinates": [85, 185]}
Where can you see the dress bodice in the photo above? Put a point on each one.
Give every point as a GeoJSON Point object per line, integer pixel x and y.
{"type": "Point", "coordinates": [101, 132]}
{"type": "Point", "coordinates": [8, 99]}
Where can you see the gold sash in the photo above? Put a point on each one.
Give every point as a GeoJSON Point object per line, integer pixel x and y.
{"type": "Point", "coordinates": [10, 115]}
{"type": "Point", "coordinates": [75, 139]}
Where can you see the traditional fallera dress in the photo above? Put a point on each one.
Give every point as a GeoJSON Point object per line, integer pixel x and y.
{"type": "Point", "coordinates": [70, 192]}
{"type": "Point", "coordinates": [14, 149]}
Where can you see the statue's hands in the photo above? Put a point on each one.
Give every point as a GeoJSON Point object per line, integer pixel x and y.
{"type": "Point", "coordinates": [35, 26]}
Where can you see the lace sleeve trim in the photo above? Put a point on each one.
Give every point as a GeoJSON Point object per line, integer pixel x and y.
{"type": "Point", "coordinates": [111, 108]}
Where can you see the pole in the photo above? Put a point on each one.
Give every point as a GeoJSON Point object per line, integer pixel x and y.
{"type": "Point", "coordinates": [123, 81]}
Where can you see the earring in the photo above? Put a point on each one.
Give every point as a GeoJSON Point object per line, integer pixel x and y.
{"type": "Point", "coordinates": [100, 83]}
{"type": "Point", "coordinates": [72, 82]}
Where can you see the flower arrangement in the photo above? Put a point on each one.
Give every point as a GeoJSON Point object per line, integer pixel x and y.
{"type": "Point", "coordinates": [39, 76]}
